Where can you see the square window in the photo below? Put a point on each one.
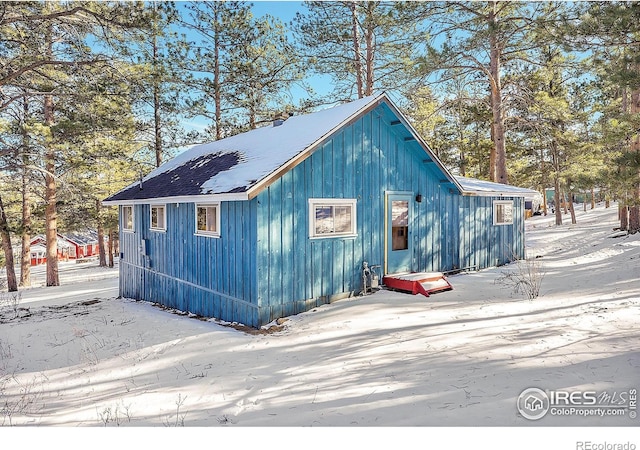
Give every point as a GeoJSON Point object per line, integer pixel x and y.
{"type": "Point", "coordinates": [503, 212]}
{"type": "Point", "coordinates": [127, 218]}
{"type": "Point", "coordinates": [158, 218]}
{"type": "Point", "coordinates": [332, 217]}
{"type": "Point", "coordinates": [207, 220]}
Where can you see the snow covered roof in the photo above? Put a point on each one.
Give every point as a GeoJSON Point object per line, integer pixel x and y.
{"type": "Point", "coordinates": [473, 186]}
{"type": "Point", "coordinates": [41, 239]}
{"type": "Point", "coordinates": [240, 166]}
{"type": "Point", "coordinates": [230, 168]}
{"type": "Point", "coordinates": [81, 238]}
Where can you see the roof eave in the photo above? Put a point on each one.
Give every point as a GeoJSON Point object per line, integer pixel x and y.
{"type": "Point", "coordinates": [424, 145]}
{"type": "Point", "coordinates": [202, 198]}
{"type": "Point", "coordinates": [471, 193]}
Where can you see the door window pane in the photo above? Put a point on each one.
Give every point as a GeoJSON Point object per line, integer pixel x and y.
{"type": "Point", "coordinates": [400, 225]}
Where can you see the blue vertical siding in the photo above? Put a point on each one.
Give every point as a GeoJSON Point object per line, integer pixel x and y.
{"type": "Point", "coordinates": [483, 244]}
{"type": "Point", "coordinates": [265, 265]}
{"type": "Point", "coordinates": [364, 160]}
{"type": "Point", "coordinates": [213, 277]}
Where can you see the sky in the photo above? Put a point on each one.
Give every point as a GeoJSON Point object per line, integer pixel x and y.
{"type": "Point", "coordinates": [285, 11]}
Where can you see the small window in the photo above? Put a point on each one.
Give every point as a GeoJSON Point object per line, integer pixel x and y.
{"type": "Point", "coordinates": [332, 217]}
{"type": "Point", "coordinates": [208, 220]}
{"type": "Point", "coordinates": [503, 212]}
{"type": "Point", "coordinates": [127, 218]}
{"type": "Point", "coordinates": [158, 218]}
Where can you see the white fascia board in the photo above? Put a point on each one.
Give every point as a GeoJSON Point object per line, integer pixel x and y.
{"type": "Point", "coordinates": [230, 197]}
{"type": "Point", "coordinates": [493, 194]}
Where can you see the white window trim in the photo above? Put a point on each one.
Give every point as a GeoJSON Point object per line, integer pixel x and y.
{"type": "Point", "coordinates": [313, 202]}
{"type": "Point", "coordinates": [495, 211]}
{"type": "Point", "coordinates": [164, 218]}
{"type": "Point", "coordinates": [215, 234]}
{"type": "Point", "coordinates": [133, 219]}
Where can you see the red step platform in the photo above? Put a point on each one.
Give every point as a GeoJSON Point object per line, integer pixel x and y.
{"type": "Point", "coordinates": [424, 283]}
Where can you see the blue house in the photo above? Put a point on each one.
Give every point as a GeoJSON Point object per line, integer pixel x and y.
{"type": "Point", "coordinates": [278, 220]}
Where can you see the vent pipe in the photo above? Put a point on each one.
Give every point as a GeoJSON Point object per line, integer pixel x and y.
{"type": "Point", "coordinates": [280, 118]}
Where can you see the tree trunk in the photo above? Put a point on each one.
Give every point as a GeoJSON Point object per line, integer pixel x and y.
{"type": "Point", "coordinates": [593, 198]}
{"type": "Point", "coordinates": [102, 256]}
{"type": "Point", "coordinates": [492, 154]}
{"type": "Point", "coordinates": [460, 129]}
{"type": "Point", "coordinates": [556, 201]}
{"type": "Point", "coordinates": [572, 211]}
{"type": "Point", "coordinates": [157, 123]}
{"type": "Point", "coordinates": [497, 126]}
{"type": "Point", "coordinates": [357, 57]}
{"type": "Point", "coordinates": [369, 42]}
{"type": "Point", "coordinates": [110, 247]}
{"type": "Point", "coordinates": [50, 212]}
{"type": "Point", "coordinates": [555, 160]}
{"type": "Point", "coordinates": [634, 219]}
{"type": "Point", "coordinates": [25, 257]}
{"type": "Point", "coordinates": [156, 80]}
{"type": "Point", "coordinates": [634, 205]}
{"type": "Point", "coordinates": [571, 208]}
{"type": "Point", "coordinates": [623, 213]}
{"type": "Point", "coordinates": [544, 184]}
{"type": "Point", "coordinates": [12, 282]}
{"type": "Point", "coordinates": [116, 243]}
{"type": "Point", "coordinates": [217, 95]}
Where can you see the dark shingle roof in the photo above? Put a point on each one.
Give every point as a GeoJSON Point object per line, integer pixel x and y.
{"type": "Point", "coordinates": [237, 163]}
{"type": "Point", "coordinates": [186, 179]}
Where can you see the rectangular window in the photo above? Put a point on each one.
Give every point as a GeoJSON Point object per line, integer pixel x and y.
{"type": "Point", "coordinates": [208, 220]}
{"type": "Point", "coordinates": [127, 218]}
{"type": "Point", "coordinates": [158, 218]}
{"type": "Point", "coordinates": [503, 212]}
{"type": "Point", "coordinates": [332, 217]}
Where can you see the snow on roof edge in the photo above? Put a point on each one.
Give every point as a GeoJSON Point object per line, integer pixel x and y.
{"type": "Point", "coordinates": [476, 186]}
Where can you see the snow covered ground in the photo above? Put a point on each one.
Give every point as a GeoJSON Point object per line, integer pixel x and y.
{"type": "Point", "coordinates": [76, 355]}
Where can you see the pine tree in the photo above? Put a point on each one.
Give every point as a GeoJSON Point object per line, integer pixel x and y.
{"type": "Point", "coordinates": [219, 27]}
{"type": "Point", "coordinates": [613, 31]}
{"type": "Point", "coordinates": [156, 77]}
{"type": "Point", "coordinates": [484, 39]}
{"type": "Point", "coordinates": [44, 45]}
{"type": "Point", "coordinates": [363, 46]}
